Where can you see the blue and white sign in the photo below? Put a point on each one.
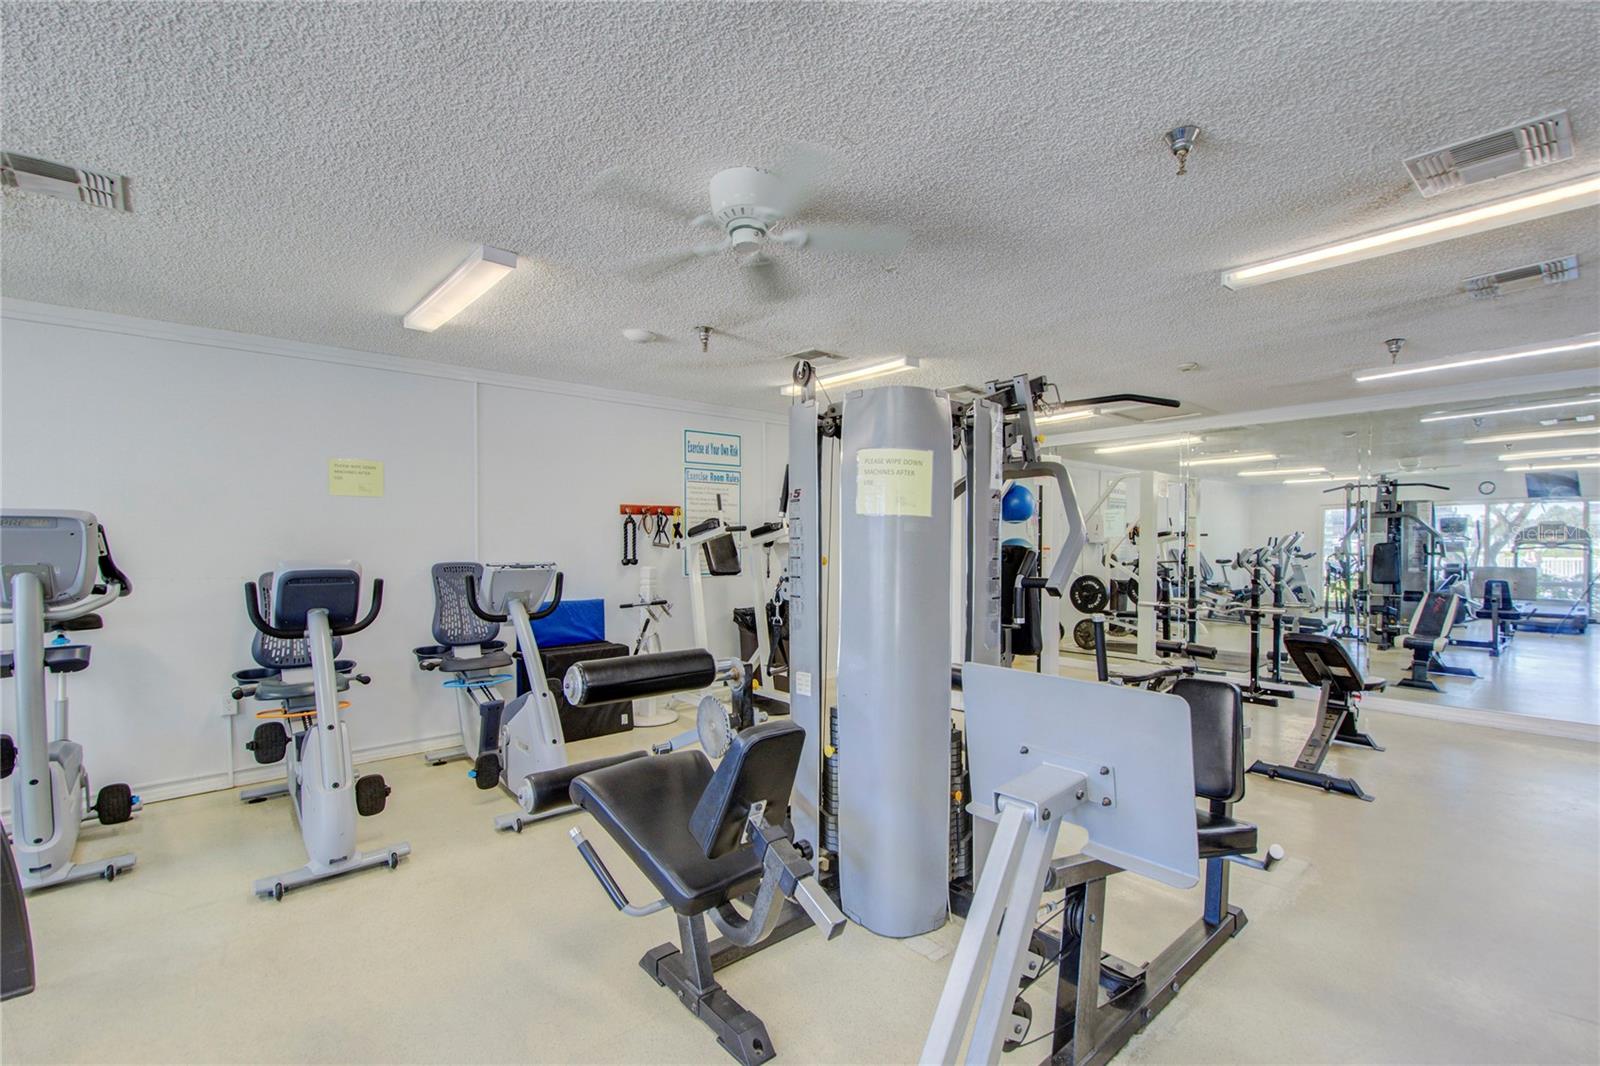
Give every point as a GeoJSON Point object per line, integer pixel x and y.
{"type": "Point", "coordinates": [711, 493]}
{"type": "Point", "coordinates": [704, 448]}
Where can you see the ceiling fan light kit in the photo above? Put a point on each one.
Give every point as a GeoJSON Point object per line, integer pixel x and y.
{"type": "Point", "coordinates": [758, 212]}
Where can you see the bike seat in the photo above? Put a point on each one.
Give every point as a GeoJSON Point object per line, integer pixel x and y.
{"type": "Point", "coordinates": [293, 690]}
{"type": "Point", "coordinates": [495, 660]}
{"type": "Point", "coordinates": [58, 659]}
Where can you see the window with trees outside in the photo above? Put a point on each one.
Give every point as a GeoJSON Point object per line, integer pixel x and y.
{"type": "Point", "coordinates": [1489, 531]}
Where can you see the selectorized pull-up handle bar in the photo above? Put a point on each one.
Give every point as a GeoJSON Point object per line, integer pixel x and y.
{"type": "Point", "coordinates": [1121, 397]}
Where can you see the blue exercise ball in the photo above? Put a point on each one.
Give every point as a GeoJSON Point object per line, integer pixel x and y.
{"type": "Point", "coordinates": [1017, 506]}
{"type": "Point", "coordinates": [1016, 542]}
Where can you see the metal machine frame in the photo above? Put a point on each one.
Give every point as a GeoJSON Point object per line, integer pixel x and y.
{"type": "Point", "coordinates": [1116, 761]}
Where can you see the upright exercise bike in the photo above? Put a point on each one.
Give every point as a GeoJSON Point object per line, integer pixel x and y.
{"type": "Point", "coordinates": [299, 611]}
{"type": "Point", "coordinates": [57, 569]}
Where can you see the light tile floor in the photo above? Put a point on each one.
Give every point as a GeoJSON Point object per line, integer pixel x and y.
{"type": "Point", "coordinates": [1457, 919]}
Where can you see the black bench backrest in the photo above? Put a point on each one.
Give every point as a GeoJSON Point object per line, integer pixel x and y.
{"type": "Point", "coordinates": [1435, 615]}
{"type": "Point", "coordinates": [721, 556]}
{"type": "Point", "coordinates": [1216, 721]}
{"type": "Point", "coordinates": [759, 767]}
{"type": "Point", "coordinates": [1497, 591]}
{"type": "Point", "coordinates": [1321, 658]}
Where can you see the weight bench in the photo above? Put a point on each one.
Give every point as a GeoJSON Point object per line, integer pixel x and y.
{"type": "Point", "coordinates": [1502, 614]}
{"type": "Point", "coordinates": [1325, 663]}
{"type": "Point", "coordinates": [707, 838]}
{"type": "Point", "coordinates": [1428, 636]}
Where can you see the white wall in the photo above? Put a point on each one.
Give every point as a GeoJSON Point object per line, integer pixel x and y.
{"type": "Point", "coordinates": [205, 455]}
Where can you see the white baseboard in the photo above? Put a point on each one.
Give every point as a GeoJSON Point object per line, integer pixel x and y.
{"type": "Point", "coordinates": [177, 788]}
{"type": "Point", "coordinates": [1515, 723]}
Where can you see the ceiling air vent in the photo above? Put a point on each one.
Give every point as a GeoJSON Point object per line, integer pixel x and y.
{"type": "Point", "coordinates": [1525, 146]}
{"type": "Point", "coordinates": [27, 174]}
{"type": "Point", "coordinates": [1551, 272]}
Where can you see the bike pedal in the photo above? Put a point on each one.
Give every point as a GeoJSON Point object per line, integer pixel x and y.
{"type": "Point", "coordinates": [271, 740]}
{"type": "Point", "coordinates": [372, 795]}
{"type": "Point", "coordinates": [113, 804]}
{"type": "Point", "coordinates": [486, 770]}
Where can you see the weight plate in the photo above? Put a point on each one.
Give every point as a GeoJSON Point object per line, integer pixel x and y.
{"type": "Point", "coordinates": [1088, 594]}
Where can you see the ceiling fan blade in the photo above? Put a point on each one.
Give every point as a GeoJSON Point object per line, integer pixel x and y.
{"type": "Point", "coordinates": [768, 280]}
{"type": "Point", "coordinates": [617, 186]}
{"type": "Point", "coordinates": [655, 266]}
{"type": "Point", "coordinates": [851, 240]}
{"type": "Point", "coordinates": [801, 167]}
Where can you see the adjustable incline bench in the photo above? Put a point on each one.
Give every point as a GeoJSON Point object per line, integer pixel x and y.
{"type": "Point", "coordinates": [1326, 664]}
{"type": "Point", "coordinates": [1429, 635]}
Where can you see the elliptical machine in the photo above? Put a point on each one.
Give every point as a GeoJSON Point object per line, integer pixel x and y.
{"type": "Point", "coordinates": [299, 612]}
{"type": "Point", "coordinates": [57, 569]}
{"type": "Point", "coordinates": [520, 745]}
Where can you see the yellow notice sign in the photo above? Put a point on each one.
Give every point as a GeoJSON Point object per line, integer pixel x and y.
{"type": "Point", "coordinates": [355, 477]}
{"type": "Point", "coordinates": [894, 481]}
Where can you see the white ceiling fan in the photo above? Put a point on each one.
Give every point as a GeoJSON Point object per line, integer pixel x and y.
{"type": "Point", "coordinates": [757, 212]}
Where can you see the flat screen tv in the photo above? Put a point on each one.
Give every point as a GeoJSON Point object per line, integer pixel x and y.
{"type": "Point", "coordinates": [1552, 483]}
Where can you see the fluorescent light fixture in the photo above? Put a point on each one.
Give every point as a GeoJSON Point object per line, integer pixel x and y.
{"type": "Point", "coordinates": [1065, 416]}
{"type": "Point", "coordinates": [882, 368]}
{"type": "Point", "coordinates": [1552, 200]}
{"type": "Point", "coordinates": [1551, 453]}
{"type": "Point", "coordinates": [1225, 460]}
{"type": "Point", "coordinates": [1512, 410]}
{"type": "Point", "coordinates": [1284, 470]}
{"type": "Point", "coordinates": [1383, 372]}
{"type": "Point", "coordinates": [1146, 445]}
{"type": "Point", "coordinates": [1537, 434]}
{"type": "Point", "coordinates": [483, 270]}
{"type": "Point", "coordinates": [1319, 480]}
{"type": "Point", "coordinates": [1587, 464]}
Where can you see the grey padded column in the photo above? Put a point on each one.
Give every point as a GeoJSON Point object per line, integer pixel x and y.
{"type": "Point", "coordinates": [894, 650]}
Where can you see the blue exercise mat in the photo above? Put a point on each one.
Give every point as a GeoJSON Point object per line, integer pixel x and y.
{"type": "Point", "coordinates": [574, 622]}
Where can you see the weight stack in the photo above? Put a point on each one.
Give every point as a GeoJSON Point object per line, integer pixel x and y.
{"type": "Point", "coordinates": [830, 802]}
{"type": "Point", "coordinates": [960, 827]}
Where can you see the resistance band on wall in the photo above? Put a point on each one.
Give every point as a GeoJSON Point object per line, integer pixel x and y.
{"type": "Point", "coordinates": [630, 541]}
{"type": "Point", "coordinates": [661, 522]}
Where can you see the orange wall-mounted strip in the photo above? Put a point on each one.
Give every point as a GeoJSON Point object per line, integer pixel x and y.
{"type": "Point", "coordinates": [650, 508]}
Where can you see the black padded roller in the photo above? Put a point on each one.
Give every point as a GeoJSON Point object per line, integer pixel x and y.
{"type": "Point", "coordinates": [638, 676]}
{"type": "Point", "coordinates": [550, 787]}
